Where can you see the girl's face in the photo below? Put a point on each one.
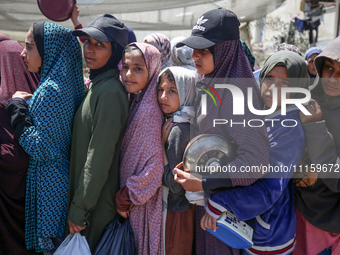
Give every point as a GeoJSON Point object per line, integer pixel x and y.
{"type": "Point", "coordinates": [96, 53]}
{"type": "Point", "coordinates": [331, 78]}
{"type": "Point", "coordinates": [276, 78]}
{"type": "Point", "coordinates": [167, 96]}
{"type": "Point", "coordinates": [310, 63]}
{"type": "Point", "coordinates": [204, 61]}
{"type": "Point", "coordinates": [134, 71]}
{"type": "Point", "coordinates": [30, 54]}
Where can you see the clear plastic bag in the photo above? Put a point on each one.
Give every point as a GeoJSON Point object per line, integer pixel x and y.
{"type": "Point", "coordinates": [74, 245]}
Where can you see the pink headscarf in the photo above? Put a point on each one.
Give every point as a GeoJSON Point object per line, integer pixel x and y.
{"type": "Point", "coordinates": [232, 67]}
{"type": "Point", "coordinates": [141, 167]}
{"type": "Point", "coordinates": [13, 71]}
{"type": "Point", "coordinates": [162, 43]}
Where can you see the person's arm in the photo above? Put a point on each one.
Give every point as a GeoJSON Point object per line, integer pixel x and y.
{"type": "Point", "coordinates": [321, 147]}
{"type": "Point", "coordinates": [322, 151]}
{"type": "Point", "coordinates": [12, 156]}
{"type": "Point", "coordinates": [287, 148]}
{"type": "Point", "coordinates": [75, 21]}
{"type": "Point", "coordinates": [252, 146]}
{"type": "Point", "coordinates": [40, 140]}
{"type": "Point", "coordinates": [20, 120]}
{"type": "Point", "coordinates": [177, 142]}
{"type": "Point", "coordinates": [109, 118]}
{"type": "Point", "coordinates": [166, 128]}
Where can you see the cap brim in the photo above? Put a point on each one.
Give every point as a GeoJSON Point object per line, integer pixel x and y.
{"type": "Point", "coordinates": [196, 42]}
{"type": "Point", "coordinates": [93, 32]}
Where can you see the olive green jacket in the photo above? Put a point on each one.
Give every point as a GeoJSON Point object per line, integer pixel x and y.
{"type": "Point", "coordinates": [98, 130]}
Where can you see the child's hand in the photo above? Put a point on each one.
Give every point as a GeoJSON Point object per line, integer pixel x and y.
{"type": "Point", "coordinates": [188, 181]}
{"type": "Point", "coordinates": [123, 214]}
{"type": "Point", "coordinates": [208, 221]}
{"type": "Point", "coordinates": [314, 108]}
{"type": "Point", "coordinates": [166, 130]}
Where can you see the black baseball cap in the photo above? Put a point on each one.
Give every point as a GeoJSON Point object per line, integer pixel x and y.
{"type": "Point", "coordinates": [105, 28]}
{"type": "Point", "coordinates": [212, 27]}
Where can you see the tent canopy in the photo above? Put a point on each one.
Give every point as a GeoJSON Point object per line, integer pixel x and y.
{"type": "Point", "coordinates": [157, 15]}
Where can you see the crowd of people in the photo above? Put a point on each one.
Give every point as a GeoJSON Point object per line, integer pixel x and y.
{"type": "Point", "coordinates": [74, 155]}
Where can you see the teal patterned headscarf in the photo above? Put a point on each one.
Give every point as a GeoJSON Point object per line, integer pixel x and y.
{"type": "Point", "coordinates": [48, 141]}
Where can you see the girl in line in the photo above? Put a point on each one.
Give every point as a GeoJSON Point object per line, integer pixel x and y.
{"type": "Point", "coordinates": [14, 76]}
{"type": "Point", "coordinates": [98, 130]}
{"type": "Point", "coordinates": [43, 128]}
{"type": "Point", "coordinates": [219, 54]}
{"type": "Point", "coordinates": [176, 91]}
{"type": "Point", "coordinates": [318, 204]}
{"type": "Point", "coordinates": [268, 205]}
{"type": "Point", "coordinates": [141, 159]}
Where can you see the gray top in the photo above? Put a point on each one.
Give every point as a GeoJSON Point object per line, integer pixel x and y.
{"type": "Point", "coordinates": [178, 139]}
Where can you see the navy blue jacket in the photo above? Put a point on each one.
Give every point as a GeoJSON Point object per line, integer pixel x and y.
{"type": "Point", "coordinates": [268, 204]}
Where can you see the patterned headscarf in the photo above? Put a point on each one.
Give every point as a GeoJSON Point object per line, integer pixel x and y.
{"type": "Point", "coordinates": [162, 43]}
{"type": "Point", "coordinates": [249, 55]}
{"type": "Point", "coordinates": [48, 141]}
{"type": "Point", "coordinates": [181, 56]}
{"type": "Point", "coordinates": [185, 83]}
{"type": "Point", "coordinates": [140, 107]}
{"type": "Point", "coordinates": [141, 167]}
{"type": "Point", "coordinates": [232, 66]}
{"type": "Point", "coordinates": [230, 61]}
{"type": "Point", "coordinates": [290, 47]}
{"type": "Point", "coordinates": [14, 75]}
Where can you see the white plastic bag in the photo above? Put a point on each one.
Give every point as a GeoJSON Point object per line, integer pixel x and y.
{"type": "Point", "coordinates": [73, 245]}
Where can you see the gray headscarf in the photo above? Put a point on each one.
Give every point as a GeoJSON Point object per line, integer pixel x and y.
{"type": "Point", "coordinates": [332, 51]}
{"type": "Point", "coordinates": [185, 83]}
{"type": "Point", "coordinates": [181, 56]}
{"type": "Point", "coordinates": [296, 69]}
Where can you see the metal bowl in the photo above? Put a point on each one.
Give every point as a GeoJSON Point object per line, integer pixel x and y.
{"type": "Point", "coordinates": [207, 153]}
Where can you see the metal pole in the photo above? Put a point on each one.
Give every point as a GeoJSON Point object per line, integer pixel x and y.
{"type": "Point", "coordinates": [337, 19]}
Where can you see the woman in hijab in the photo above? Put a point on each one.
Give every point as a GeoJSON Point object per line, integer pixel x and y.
{"type": "Point", "coordinates": [217, 54]}
{"type": "Point", "coordinates": [14, 76]}
{"type": "Point", "coordinates": [181, 56]}
{"type": "Point", "coordinates": [98, 131]}
{"type": "Point", "coordinates": [271, 199]}
{"type": "Point", "coordinates": [141, 158]}
{"type": "Point", "coordinates": [43, 128]}
{"type": "Point", "coordinates": [162, 43]}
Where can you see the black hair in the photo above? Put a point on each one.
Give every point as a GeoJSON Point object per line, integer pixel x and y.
{"type": "Point", "coordinates": [131, 48]}
{"type": "Point", "coordinates": [168, 74]}
{"type": "Point", "coordinates": [211, 49]}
